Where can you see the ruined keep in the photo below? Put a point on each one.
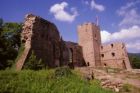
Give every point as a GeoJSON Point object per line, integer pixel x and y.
{"type": "Point", "coordinates": [42, 37]}
{"type": "Point", "coordinates": [97, 55]}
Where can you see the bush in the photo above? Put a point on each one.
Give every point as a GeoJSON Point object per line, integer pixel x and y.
{"type": "Point", "coordinates": [62, 71]}
{"type": "Point", "coordinates": [33, 63]}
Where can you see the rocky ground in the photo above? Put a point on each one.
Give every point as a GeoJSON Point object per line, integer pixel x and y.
{"type": "Point", "coordinates": [112, 78]}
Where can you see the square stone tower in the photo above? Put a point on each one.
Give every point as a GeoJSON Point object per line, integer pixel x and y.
{"type": "Point", "coordinates": [90, 41]}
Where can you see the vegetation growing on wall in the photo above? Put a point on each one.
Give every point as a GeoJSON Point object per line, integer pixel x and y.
{"type": "Point", "coordinates": [33, 63]}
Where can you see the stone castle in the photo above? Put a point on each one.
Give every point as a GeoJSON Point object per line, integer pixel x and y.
{"type": "Point", "coordinates": [42, 37]}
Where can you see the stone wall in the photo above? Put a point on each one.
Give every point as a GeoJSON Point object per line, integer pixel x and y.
{"type": "Point", "coordinates": [75, 54]}
{"type": "Point", "coordinates": [115, 55]}
{"type": "Point", "coordinates": [90, 41]}
{"type": "Point", "coordinates": [43, 38]}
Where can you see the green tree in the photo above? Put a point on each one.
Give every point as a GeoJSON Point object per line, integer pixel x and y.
{"type": "Point", "coordinates": [9, 43]}
{"type": "Point", "coordinates": [33, 63]}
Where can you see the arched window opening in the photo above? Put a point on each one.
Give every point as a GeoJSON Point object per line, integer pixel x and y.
{"type": "Point", "coordinates": [71, 55]}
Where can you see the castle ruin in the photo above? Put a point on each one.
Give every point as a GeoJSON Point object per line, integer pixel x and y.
{"type": "Point", "coordinates": [42, 37]}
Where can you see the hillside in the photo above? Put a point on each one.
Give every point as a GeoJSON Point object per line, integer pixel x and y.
{"type": "Point", "coordinates": [135, 60]}
{"type": "Point", "coordinates": [47, 81]}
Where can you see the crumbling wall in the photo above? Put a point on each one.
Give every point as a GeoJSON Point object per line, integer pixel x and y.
{"type": "Point", "coordinates": [42, 37]}
{"type": "Point", "coordinates": [115, 55]}
{"type": "Point", "coordinates": [75, 54]}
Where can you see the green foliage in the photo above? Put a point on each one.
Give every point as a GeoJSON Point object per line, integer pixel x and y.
{"type": "Point", "coordinates": [135, 60]}
{"type": "Point", "coordinates": [10, 42]}
{"type": "Point", "coordinates": [62, 71]}
{"type": "Point", "coordinates": [45, 81]}
{"type": "Point", "coordinates": [33, 63]}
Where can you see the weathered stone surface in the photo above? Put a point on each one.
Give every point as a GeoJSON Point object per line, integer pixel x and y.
{"type": "Point", "coordinates": [75, 54]}
{"type": "Point", "coordinates": [42, 37]}
{"type": "Point", "coordinates": [97, 55]}
{"type": "Point", "coordinates": [115, 55]}
{"type": "Point", "coordinates": [90, 41]}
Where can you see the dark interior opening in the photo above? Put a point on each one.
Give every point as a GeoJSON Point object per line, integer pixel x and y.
{"type": "Point", "coordinates": [87, 63]}
{"type": "Point", "coordinates": [102, 55]}
{"type": "Point", "coordinates": [101, 47]}
{"type": "Point", "coordinates": [112, 45]}
{"type": "Point", "coordinates": [113, 54]}
{"type": "Point", "coordinates": [105, 64]}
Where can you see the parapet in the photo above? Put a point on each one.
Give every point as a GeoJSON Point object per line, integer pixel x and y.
{"type": "Point", "coordinates": [88, 24]}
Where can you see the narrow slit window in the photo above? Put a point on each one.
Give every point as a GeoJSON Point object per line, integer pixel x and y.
{"type": "Point", "coordinates": [112, 45]}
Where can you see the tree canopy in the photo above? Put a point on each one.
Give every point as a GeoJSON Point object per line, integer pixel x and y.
{"type": "Point", "coordinates": [9, 43]}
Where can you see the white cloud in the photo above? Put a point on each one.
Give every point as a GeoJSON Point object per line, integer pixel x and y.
{"type": "Point", "coordinates": [131, 18]}
{"type": "Point", "coordinates": [134, 47]}
{"type": "Point", "coordinates": [105, 36]}
{"type": "Point", "coordinates": [123, 34]}
{"type": "Point", "coordinates": [129, 14]}
{"type": "Point", "coordinates": [96, 6]}
{"type": "Point", "coordinates": [61, 14]}
{"type": "Point", "coordinates": [129, 36]}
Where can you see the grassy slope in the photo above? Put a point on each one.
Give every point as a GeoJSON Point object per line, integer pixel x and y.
{"type": "Point", "coordinates": [44, 81]}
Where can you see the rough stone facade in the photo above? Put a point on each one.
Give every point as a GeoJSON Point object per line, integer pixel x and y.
{"type": "Point", "coordinates": [97, 55]}
{"type": "Point", "coordinates": [75, 54]}
{"type": "Point", "coordinates": [115, 55]}
{"type": "Point", "coordinates": [42, 37]}
{"type": "Point", "coordinates": [90, 40]}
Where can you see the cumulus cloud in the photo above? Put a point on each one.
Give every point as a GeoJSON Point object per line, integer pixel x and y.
{"type": "Point", "coordinates": [123, 34]}
{"type": "Point", "coordinates": [129, 36]}
{"type": "Point", "coordinates": [129, 14]}
{"type": "Point", "coordinates": [61, 14]}
{"type": "Point", "coordinates": [96, 6]}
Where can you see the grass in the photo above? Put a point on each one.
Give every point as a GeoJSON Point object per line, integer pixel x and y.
{"type": "Point", "coordinates": [47, 81]}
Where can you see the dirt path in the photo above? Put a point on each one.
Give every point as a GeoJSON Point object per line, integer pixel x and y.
{"type": "Point", "coordinates": [111, 79]}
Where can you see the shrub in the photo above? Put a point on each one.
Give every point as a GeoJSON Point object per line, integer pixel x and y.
{"type": "Point", "coordinates": [33, 63]}
{"type": "Point", "coordinates": [62, 71]}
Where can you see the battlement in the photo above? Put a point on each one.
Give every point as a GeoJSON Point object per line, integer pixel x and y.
{"type": "Point", "coordinates": [88, 24]}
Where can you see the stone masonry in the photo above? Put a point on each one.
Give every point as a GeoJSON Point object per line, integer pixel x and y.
{"type": "Point", "coordinates": [115, 55]}
{"type": "Point", "coordinates": [42, 37]}
{"type": "Point", "coordinates": [97, 55]}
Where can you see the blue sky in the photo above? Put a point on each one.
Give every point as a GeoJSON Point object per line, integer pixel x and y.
{"type": "Point", "coordinates": [119, 20]}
